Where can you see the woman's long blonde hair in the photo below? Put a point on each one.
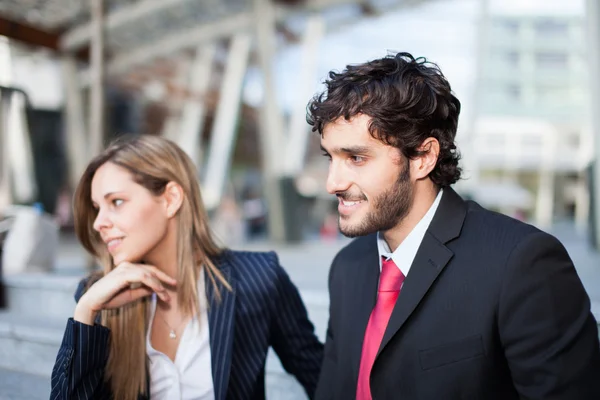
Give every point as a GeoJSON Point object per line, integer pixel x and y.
{"type": "Point", "coordinates": [153, 162]}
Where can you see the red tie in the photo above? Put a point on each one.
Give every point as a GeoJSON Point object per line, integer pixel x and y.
{"type": "Point", "coordinates": [390, 281]}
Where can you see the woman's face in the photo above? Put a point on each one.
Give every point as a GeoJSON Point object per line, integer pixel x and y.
{"type": "Point", "coordinates": [131, 221]}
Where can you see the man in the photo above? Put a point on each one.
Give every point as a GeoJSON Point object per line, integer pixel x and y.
{"type": "Point", "coordinates": [438, 298]}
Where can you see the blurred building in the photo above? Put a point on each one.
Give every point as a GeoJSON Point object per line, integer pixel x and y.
{"type": "Point", "coordinates": [532, 134]}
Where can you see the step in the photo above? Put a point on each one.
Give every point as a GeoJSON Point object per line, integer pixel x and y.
{"type": "Point", "coordinates": [31, 329]}
{"type": "Point", "coordinates": [29, 344]}
{"type": "Point", "coordinates": [52, 296]}
{"type": "Point", "coordinates": [41, 294]}
{"type": "Point", "coordinates": [28, 349]}
{"type": "Point", "coordinates": [22, 386]}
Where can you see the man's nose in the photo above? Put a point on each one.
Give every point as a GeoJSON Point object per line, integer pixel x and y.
{"type": "Point", "coordinates": [336, 179]}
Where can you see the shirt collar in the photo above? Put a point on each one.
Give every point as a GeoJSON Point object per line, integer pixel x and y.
{"type": "Point", "coordinates": [405, 253]}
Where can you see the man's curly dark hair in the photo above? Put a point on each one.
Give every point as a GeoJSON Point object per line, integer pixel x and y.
{"type": "Point", "coordinates": [408, 101]}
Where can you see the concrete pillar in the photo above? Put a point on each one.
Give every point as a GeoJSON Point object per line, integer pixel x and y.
{"type": "Point", "coordinates": [96, 125]}
{"type": "Point", "coordinates": [544, 211]}
{"type": "Point", "coordinates": [271, 127]}
{"type": "Point", "coordinates": [76, 134]}
{"type": "Point", "coordinates": [20, 152]}
{"type": "Point", "coordinates": [467, 138]}
{"type": "Point", "coordinates": [6, 198]}
{"type": "Point", "coordinates": [194, 109]}
{"type": "Point", "coordinates": [224, 127]}
{"type": "Point", "coordinates": [172, 125]}
{"type": "Point", "coordinates": [297, 143]}
{"type": "Point", "coordinates": [512, 155]}
{"type": "Point", "coordinates": [582, 203]}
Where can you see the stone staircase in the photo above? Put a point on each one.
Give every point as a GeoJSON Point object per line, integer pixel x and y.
{"type": "Point", "coordinates": [31, 328]}
{"type": "Point", "coordinates": [39, 304]}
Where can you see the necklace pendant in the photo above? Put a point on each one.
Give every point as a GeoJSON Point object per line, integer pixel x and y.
{"type": "Point", "coordinates": [172, 334]}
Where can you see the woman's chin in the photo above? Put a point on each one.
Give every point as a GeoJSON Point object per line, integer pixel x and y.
{"type": "Point", "coordinates": [120, 259]}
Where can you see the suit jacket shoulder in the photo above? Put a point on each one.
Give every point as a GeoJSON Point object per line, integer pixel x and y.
{"type": "Point", "coordinates": [497, 233]}
{"type": "Point", "coordinates": [252, 265]}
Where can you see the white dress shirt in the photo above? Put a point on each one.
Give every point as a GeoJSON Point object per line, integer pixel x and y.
{"type": "Point", "coordinates": [190, 376]}
{"type": "Point", "coordinates": [405, 253]}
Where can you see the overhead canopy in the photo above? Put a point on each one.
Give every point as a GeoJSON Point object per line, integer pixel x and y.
{"type": "Point", "coordinates": [138, 32]}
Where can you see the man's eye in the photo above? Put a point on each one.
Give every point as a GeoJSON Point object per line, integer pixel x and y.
{"type": "Point", "coordinates": [326, 155]}
{"type": "Point", "coordinates": [357, 159]}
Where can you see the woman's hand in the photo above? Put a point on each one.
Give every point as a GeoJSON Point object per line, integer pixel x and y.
{"type": "Point", "coordinates": [124, 284]}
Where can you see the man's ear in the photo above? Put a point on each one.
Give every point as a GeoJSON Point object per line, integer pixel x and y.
{"type": "Point", "coordinates": [426, 162]}
{"type": "Point", "coordinates": [173, 196]}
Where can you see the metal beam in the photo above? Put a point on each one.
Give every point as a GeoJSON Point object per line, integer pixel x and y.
{"type": "Point", "coordinates": [204, 33]}
{"type": "Point", "coordinates": [28, 34]}
{"type": "Point", "coordinates": [181, 40]}
{"type": "Point", "coordinates": [81, 35]}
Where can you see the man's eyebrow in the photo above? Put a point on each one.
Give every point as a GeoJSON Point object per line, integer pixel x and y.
{"type": "Point", "coordinates": [348, 150]}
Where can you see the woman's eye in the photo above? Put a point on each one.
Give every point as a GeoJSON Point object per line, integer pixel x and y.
{"type": "Point", "coordinates": [117, 202]}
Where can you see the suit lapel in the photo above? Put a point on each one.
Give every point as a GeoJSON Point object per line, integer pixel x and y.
{"type": "Point", "coordinates": [363, 296]}
{"type": "Point", "coordinates": [221, 324]}
{"type": "Point", "coordinates": [430, 260]}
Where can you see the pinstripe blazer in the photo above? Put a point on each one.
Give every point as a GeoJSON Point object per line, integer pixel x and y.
{"type": "Point", "coordinates": [264, 309]}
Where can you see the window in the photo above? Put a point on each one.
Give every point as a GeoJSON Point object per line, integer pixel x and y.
{"type": "Point", "coordinates": [512, 58]}
{"type": "Point", "coordinates": [513, 92]}
{"type": "Point", "coordinates": [509, 27]}
{"type": "Point", "coordinates": [553, 94]}
{"type": "Point", "coordinates": [551, 60]}
{"type": "Point", "coordinates": [549, 29]}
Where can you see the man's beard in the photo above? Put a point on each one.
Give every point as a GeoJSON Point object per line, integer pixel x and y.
{"type": "Point", "coordinates": [388, 209]}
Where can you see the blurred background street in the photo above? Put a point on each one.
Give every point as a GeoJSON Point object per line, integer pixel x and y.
{"type": "Point", "coordinates": [229, 81]}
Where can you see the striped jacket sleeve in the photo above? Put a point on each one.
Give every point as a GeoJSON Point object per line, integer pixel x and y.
{"type": "Point", "coordinates": [78, 372]}
{"type": "Point", "coordinates": [293, 337]}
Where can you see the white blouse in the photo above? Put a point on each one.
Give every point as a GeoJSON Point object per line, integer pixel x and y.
{"type": "Point", "coordinates": [190, 376]}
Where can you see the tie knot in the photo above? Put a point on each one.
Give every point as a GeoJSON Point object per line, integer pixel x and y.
{"type": "Point", "coordinates": [391, 277]}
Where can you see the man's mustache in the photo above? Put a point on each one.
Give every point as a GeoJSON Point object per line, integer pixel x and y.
{"type": "Point", "coordinates": [348, 196]}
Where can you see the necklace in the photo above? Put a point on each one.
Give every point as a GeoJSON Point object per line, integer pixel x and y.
{"type": "Point", "coordinates": [173, 332]}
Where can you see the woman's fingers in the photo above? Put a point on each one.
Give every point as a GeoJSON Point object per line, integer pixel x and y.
{"type": "Point", "coordinates": [161, 275]}
{"type": "Point", "coordinates": [126, 283]}
{"type": "Point", "coordinates": [149, 279]}
{"type": "Point", "coordinates": [128, 296]}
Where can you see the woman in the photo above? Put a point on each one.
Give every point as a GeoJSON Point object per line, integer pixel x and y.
{"type": "Point", "coordinates": [172, 316]}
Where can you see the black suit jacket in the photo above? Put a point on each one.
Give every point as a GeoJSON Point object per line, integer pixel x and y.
{"type": "Point", "coordinates": [264, 309]}
{"type": "Point", "coordinates": [491, 309]}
